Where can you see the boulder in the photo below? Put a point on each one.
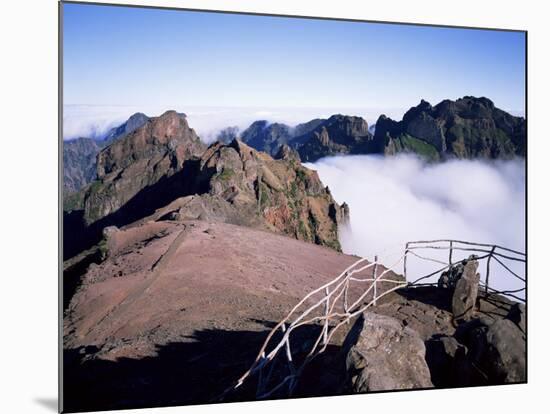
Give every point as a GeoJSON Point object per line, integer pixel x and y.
{"type": "Point", "coordinates": [517, 315]}
{"type": "Point", "coordinates": [496, 352]}
{"type": "Point", "coordinates": [443, 356]}
{"type": "Point", "coordinates": [465, 292]}
{"type": "Point", "coordinates": [381, 355]}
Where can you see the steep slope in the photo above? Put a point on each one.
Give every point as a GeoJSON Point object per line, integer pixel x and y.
{"type": "Point", "coordinates": [163, 169]}
{"type": "Point", "coordinates": [340, 134]}
{"type": "Point", "coordinates": [79, 155]}
{"type": "Point", "coordinates": [136, 121]}
{"type": "Point", "coordinates": [466, 128]}
{"type": "Point", "coordinates": [79, 163]}
{"type": "Point", "coordinates": [154, 152]}
{"type": "Point", "coordinates": [239, 185]}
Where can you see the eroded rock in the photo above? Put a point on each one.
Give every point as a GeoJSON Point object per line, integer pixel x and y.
{"type": "Point", "coordinates": [381, 355]}
{"type": "Point", "coordinates": [465, 291]}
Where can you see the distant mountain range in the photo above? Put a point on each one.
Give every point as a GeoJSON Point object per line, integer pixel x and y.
{"type": "Point", "coordinates": [466, 128]}
{"type": "Point", "coordinates": [255, 178]}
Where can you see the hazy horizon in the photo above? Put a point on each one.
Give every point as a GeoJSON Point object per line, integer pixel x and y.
{"type": "Point", "coordinates": [151, 60]}
{"type": "Point", "coordinates": [93, 121]}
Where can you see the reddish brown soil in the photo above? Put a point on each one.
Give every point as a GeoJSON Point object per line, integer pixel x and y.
{"type": "Point", "coordinates": [164, 280]}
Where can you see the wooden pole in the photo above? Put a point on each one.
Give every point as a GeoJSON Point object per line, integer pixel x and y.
{"type": "Point", "coordinates": [450, 253]}
{"type": "Point", "coordinates": [405, 261]}
{"type": "Point", "coordinates": [487, 273]}
{"type": "Point", "coordinates": [325, 328]}
{"type": "Point", "coordinates": [374, 272]}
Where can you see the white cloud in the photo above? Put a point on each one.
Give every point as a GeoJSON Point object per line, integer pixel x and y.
{"type": "Point", "coordinates": [398, 199]}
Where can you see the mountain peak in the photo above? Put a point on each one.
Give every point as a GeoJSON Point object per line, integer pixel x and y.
{"type": "Point", "coordinates": [469, 127]}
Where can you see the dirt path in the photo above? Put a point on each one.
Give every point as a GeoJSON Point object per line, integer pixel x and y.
{"type": "Point", "coordinates": [142, 288]}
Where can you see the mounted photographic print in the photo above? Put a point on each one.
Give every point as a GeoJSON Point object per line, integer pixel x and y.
{"type": "Point", "coordinates": [263, 207]}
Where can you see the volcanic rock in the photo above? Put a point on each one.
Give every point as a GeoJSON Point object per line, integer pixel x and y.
{"type": "Point", "coordinates": [384, 355]}
{"type": "Point", "coordinates": [465, 291]}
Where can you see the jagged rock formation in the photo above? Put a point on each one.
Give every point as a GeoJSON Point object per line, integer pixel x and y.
{"type": "Point", "coordinates": [152, 153]}
{"type": "Point", "coordinates": [382, 355]}
{"type": "Point", "coordinates": [164, 164]}
{"type": "Point", "coordinates": [79, 155]}
{"type": "Point", "coordinates": [469, 127]}
{"type": "Point", "coordinates": [466, 292]}
{"type": "Point", "coordinates": [288, 154]}
{"type": "Point", "coordinates": [237, 184]}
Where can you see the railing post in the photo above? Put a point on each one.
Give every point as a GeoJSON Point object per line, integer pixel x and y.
{"type": "Point", "coordinates": [325, 328]}
{"type": "Point", "coordinates": [405, 261]}
{"type": "Point", "coordinates": [346, 287]}
{"type": "Point", "coordinates": [487, 274]}
{"type": "Point", "coordinates": [374, 272]}
{"type": "Point", "coordinates": [450, 253]}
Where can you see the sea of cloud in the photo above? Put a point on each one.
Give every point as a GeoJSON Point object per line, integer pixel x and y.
{"type": "Point", "coordinates": [398, 199]}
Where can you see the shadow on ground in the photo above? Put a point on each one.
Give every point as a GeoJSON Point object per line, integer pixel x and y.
{"type": "Point", "coordinates": [182, 373]}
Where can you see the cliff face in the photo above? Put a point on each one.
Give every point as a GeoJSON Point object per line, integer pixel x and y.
{"type": "Point", "coordinates": [339, 134]}
{"type": "Point", "coordinates": [163, 171]}
{"type": "Point", "coordinates": [466, 128]}
{"type": "Point", "coordinates": [239, 185]}
{"type": "Point", "coordinates": [79, 155]}
{"type": "Point", "coordinates": [154, 152]}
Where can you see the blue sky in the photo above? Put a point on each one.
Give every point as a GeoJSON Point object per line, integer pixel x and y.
{"type": "Point", "coordinates": [174, 59]}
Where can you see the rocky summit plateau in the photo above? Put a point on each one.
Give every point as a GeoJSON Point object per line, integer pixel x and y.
{"type": "Point", "coordinates": [180, 257]}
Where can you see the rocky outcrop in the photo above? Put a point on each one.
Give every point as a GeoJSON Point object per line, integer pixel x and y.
{"type": "Point", "coordinates": [465, 290]}
{"type": "Point", "coordinates": [469, 127]}
{"type": "Point", "coordinates": [288, 154]}
{"type": "Point", "coordinates": [163, 171]}
{"type": "Point", "coordinates": [445, 356]}
{"type": "Point", "coordinates": [79, 155]}
{"type": "Point", "coordinates": [496, 350]}
{"type": "Point", "coordinates": [240, 185]}
{"type": "Point", "coordinates": [154, 152]}
{"type": "Point", "coordinates": [382, 355]}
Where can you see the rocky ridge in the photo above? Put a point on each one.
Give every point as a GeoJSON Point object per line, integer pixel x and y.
{"type": "Point", "coordinates": [469, 127]}
{"type": "Point", "coordinates": [163, 170]}
{"type": "Point", "coordinates": [80, 154]}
